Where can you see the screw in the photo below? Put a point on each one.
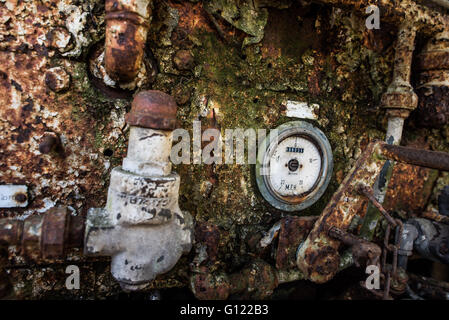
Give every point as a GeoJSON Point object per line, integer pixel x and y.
{"type": "Point", "coordinates": [20, 197]}
{"type": "Point", "coordinates": [50, 142]}
{"type": "Point", "coordinates": [57, 79]}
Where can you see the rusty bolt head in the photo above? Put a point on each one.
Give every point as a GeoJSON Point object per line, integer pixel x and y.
{"type": "Point", "coordinates": [61, 39]}
{"type": "Point", "coordinates": [20, 197]}
{"type": "Point", "coordinates": [183, 60]}
{"type": "Point", "coordinates": [49, 142]}
{"type": "Point", "coordinates": [153, 109]}
{"type": "Point", "coordinates": [57, 79]}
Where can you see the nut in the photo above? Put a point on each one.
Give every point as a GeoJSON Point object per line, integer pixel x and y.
{"type": "Point", "coordinates": [153, 109]}
{"type": "Point", "coordinates": [61, 39]}
{"type": "Point", "coordinates": [57, 79]}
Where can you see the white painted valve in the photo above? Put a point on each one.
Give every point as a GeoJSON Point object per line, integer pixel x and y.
{"type": "Point", "coordinates": [142, 227]}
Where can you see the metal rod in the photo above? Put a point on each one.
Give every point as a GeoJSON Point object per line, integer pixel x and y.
{"type": "Point", "coordinates": [418, 157]}
{"type": "Point", "coordinates": [368, 192]}
{"type": "Point", "coordinates": [443, 3]}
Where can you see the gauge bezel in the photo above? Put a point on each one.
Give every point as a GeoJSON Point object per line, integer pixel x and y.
{"type": "Point", "coordinates": [286, 130]}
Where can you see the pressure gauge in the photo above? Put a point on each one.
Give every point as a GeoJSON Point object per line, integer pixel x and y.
{"type": "Point", "coordinates": [294, 166]}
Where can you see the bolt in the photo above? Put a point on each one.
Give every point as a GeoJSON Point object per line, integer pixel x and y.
{"type": "Point", "coordinates": [20, 197]}
{"type": "Point", "coordinates": [153, 109]}
{"type": "Point", "coordinates": [50, 142]}
{"type": "Point", "coordinates": [57, 79]}
{"type": "Point", "coordinates": [183, 60]}
{"type": "Point", "coordinates": [61, 39]}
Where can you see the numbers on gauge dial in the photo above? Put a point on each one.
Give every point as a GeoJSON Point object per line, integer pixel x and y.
{"type": "Point", "coordinates": [295, 166]}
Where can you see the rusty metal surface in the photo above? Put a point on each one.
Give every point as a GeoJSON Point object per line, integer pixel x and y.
{"type": "Point", "coordinates": [37, 37]}
{"type": "Point", "coordinates": [153, 109]}
{"type": "Point", "coordinates": [433, 83]}
{"type": "Point", "coordinates": [293, 231]}
{"type": "Point", "coordinates": [364, 253]}
{"type": "Point", "coordinates": [406, 182]}
{"type": "Point", "coordinates": [255, 281]}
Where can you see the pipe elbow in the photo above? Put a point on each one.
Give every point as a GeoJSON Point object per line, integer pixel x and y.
{"type": "Point", "coordinates": [126, 33]}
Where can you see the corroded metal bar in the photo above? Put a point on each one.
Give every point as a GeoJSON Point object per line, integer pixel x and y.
{"type": "Point", "coordinates": [424, 158]}
{"type": "Point", "coordinates": [362, 250]}
{"type": "Point", "coordinates": [368, 192]}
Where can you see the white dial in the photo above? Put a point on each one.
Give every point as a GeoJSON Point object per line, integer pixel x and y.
{"type": "Point", "coordinates": [295, 166]}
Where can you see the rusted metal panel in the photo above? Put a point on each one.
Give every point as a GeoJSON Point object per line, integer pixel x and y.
{"type": "Point", "coordinates": [409, 189]}
{"type": "Point", "coordinates": [318, 256]}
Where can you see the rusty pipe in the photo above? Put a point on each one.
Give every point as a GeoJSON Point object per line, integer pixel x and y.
{"type": "Point", "coordinates": [127, 24]}
{"type": "Point", "coordinates": [399, 100]}
{"type": "Point", "coordinates": [425, 19]}
{"type": "Point", "coordinates": [47, 236]}
{"type": "Point", "coordinates": [443, 3]}
{"type": "Point", "coordinates": [418, 157]}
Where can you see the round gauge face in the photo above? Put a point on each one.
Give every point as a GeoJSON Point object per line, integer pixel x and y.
{"type": "Point", "coordinates": [295, 167]}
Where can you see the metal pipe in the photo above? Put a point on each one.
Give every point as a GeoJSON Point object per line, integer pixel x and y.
{"type": "Point", "coordinates": [399, 100]}
{"type": "Point", "coordinates": [46, 236]}
{"type": "Point", "coordinates": [427, 20]}
{"type": "Point", "coordinates": [443, 3]}
{"type": "Point", "coordinates": [127, 24]}
{"type": "Point", "coordinates": [417, 157]}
